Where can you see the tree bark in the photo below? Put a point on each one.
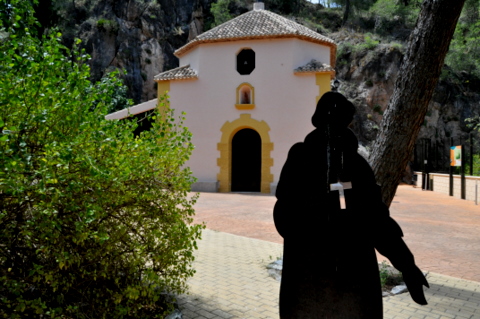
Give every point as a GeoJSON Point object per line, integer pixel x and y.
{"type": "Point", "coordinates": [418, 77]}
{"type": "Point", "coordinates": [346, 12]}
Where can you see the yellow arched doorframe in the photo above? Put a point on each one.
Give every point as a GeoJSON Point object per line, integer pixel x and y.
{"type": "Point", "coordinates": [229, 129]}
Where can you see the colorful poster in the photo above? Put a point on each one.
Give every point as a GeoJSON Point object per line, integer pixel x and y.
{"type": "Point", "coordinates": [456, 155]}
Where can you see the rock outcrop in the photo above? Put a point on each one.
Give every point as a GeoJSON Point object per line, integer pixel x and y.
{"type": "Point", "coordinates": [135, 36]}
{"type": "Point", "coordinates": [368, 76]}
{"type": "Point", "coordinates": [140, 36]}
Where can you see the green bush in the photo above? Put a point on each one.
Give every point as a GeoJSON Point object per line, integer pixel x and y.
{"type": "Point", "coordinates": [384, 273]}
{"type": "Point", "coordinates": [377, 108]}
{"type": "Point", "coordinates": [473, 123]}
{"type": "Point", "coordinates": [389, 277]}
{"type": "Point", "coordinates": [95, 223]}
{"type": "Point", "coordinates": [396, 46]}
{"type": "Point", "coordinates": [110, 26]}
{"type": "Point", "coordinates": [368, 44]}
{"type": "Point", "coordinates": [476, 165]}
{"type": "Point", "coordinates": [344, 48]}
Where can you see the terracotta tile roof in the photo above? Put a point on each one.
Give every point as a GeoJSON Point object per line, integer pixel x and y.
{"type": "Point", "coordinates": [256, 24]}
{"type": "Point", "coordinates": [180, 73]}
{"type": "Point", "coordinates": [314, 66]}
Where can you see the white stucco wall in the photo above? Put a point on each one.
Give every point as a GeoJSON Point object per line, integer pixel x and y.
{"type": "Point", "coordinates": [304, 52]}
{"type": "Point", "coordinates": [283, 100]}
{"type": "Point", "coordinates": [192, 58]}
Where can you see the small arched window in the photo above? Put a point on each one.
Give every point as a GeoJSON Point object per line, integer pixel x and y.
{"type": "Point", "coordinates": [245, 97]}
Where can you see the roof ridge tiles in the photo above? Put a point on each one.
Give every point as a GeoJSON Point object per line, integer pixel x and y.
{"type": "Point", "coordinates": [256, 24]}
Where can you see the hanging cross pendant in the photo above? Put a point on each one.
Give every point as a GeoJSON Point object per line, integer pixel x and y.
{"type": "Point", "coordinates": [340, 187]}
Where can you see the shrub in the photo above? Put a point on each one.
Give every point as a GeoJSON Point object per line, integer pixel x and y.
{"type": "Point", "coordinates": [389, 277]}
{"type": "Point", "coordinates": [377, 108]}
{"type": "Point", "coordinates": [383, 271]}
{"type": "Point", "coordinates": [220, 12]}
{"type": "Point", "coordinates": [110, 26]}
{"type": "Point", "coordinates": [368, 44]}
{"type": "Point", "coordinates": [344, 48]}
{"type": "Point", "coordinates": [476, 166]}
{"type": "Point", "coordinates": [95, 223]}
{"type": "Point", "coordinates": [396, 46]}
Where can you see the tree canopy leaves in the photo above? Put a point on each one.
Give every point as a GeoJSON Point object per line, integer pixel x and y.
{"type": "Point", "coordinates": [464, 53]}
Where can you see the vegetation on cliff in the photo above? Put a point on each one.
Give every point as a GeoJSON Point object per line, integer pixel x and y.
{"type": "Point", "coordinates": [140, 36]}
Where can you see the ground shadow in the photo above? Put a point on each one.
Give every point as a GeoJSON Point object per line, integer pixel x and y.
{"type": "Point", "coordinates": [195, 306]}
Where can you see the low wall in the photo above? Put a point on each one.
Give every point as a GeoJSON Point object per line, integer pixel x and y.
{"type": "Point", "coordinates": [441, 184]}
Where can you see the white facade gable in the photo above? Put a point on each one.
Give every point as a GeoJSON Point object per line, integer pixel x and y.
{"type": "Point", "coordinates": [293, 68]}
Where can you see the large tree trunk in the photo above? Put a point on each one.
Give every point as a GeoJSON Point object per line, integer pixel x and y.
{"type": "Point", "coordinates": [413, 90]}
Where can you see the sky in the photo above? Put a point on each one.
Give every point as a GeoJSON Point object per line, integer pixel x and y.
{"type": "Point", "coordinates": [323, 2]}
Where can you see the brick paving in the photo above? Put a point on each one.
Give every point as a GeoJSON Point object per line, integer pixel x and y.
{"type": "Point", "coordinates": [443, 232]}
{"type": "Point", "coordinates": [232, 280]}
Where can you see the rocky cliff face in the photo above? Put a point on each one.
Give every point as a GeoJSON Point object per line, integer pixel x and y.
{"type": "Point", "coordinates": [137, 36]}
{"type": "Point", "coordinates": [368, 76]}
{"type": "Point", "coordinates": [140, 36]}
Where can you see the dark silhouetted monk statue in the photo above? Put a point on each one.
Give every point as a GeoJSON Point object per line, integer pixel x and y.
{"type": "Point", "coordinates": [330, 213]}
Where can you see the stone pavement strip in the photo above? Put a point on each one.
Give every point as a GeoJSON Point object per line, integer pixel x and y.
{"type": "Point", "coordinates": [232, 282]}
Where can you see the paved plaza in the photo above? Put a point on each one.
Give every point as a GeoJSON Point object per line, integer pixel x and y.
{"type": "Point", "coordinates": [240, 241]}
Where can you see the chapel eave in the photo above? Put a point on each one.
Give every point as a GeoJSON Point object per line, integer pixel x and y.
{"type": "Point", "coordinates": [181, 73]}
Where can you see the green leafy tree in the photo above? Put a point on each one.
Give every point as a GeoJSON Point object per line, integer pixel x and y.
{"type": "Point", "coordinates": [95, 223]}
{"type": "Point", "coordinates": [388, 14]}
{"type": "Point", "coordinates": [286, 6]}
{"type": "Point", "coordinates": [17, 14]}
{"type": "Point", "coordinates": [220, 12]}
{"type": "Point", "coordinates": [327, 3]}
{"type": "Point", "coordinates": [464, 52]}
{"type": "Point", "coordinates": [350, 6]}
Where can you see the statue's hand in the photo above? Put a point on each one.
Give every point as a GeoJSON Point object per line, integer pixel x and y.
{"type": "Point", "coordinates": [415, 280]}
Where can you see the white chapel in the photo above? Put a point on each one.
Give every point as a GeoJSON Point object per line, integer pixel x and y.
{"type": "Point", "coordinates": [249, 88]}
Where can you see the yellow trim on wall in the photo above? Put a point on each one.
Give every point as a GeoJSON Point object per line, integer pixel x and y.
{"type": "Point", "coordinates": [229, 129]}
{"type": "Point", "coordinates": [245, 106]}
{"type": "Point", "coordinates": [163, 88]}
{"type": "Point", "coordinates": [250, 105]}
{"type": "Point", "coordinates": [323, 82]}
